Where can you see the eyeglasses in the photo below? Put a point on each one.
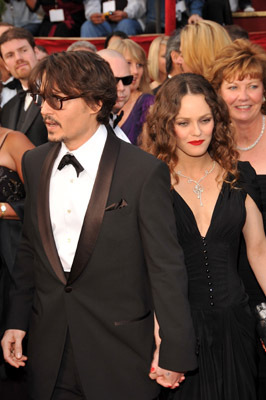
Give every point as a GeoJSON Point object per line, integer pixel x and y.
{"type": "Point", "coordinates": [56, 102]}
{"type": "Point", "coordinates": [126, 80]}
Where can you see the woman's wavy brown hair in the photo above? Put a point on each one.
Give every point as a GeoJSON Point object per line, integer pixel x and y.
{"type": "Point", "coordinates": [160, 137]}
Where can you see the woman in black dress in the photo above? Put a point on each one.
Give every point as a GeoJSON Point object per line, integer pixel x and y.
{"type": "Point", "coordinates": [215, 198]}
{"type": "Point", "coordinates": [12, 147]}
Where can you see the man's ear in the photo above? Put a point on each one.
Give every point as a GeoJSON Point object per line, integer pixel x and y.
{"type": "Point", "coordinates": [95, 108]}
{"type": "Point", "coordinates": [175, 57]}
{"type": "Point", "coordinates": [35, 51]}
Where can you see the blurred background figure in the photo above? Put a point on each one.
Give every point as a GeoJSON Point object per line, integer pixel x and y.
{"type": "Point", "coordinates": [12, 147]}
{"type": "Point", "coordinates": [66, 21]}
{"type": "Point", "coordinates": [243, 5]}
{"type": "Point", "coordinates": [140, 99]}
{"type": "Point", "coordinates": [17, 13]}
{"type": "Point", "coordinates": [41, 52]}
{"type": "Point", "coordinates": [17, 48]}
{"type": "Point", "coordinates": [218, 11]}
{"type": "Point", "coordinates": [236, 32]}
{"type": "Point", "coordinates": [129, 17]}
{"type": "Point", "coordinates": [82, 45]}
{"type": "Point", "coordinates": [200, 43]}
{"type": "Point", "coordinates": [238, 73]}
{"type": "Point", "coordinates": [156, 61]}
{"type": "Point", "coordinates": [172, 53]}
{"type": "Point", "coordinates": [187, 11]}
{"type": "Point", "coordinates": [120, 69]}
{"type": "Point", "coordinates": [114, 36]}
{"type": "Point", "coordinates": [10, 85]}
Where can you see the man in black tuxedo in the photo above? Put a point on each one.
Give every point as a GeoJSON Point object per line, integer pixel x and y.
{"type": "Point", "coordinates": [99, 254]}
{"type": "Point", "coordinates": [17, 48]}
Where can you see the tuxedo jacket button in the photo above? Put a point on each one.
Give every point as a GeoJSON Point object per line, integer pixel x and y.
{"type": "Point", "coordinates": [68, 289]}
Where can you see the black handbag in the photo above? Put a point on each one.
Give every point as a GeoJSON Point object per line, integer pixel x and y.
{"type": "Point", "coordinates": [260, 313]}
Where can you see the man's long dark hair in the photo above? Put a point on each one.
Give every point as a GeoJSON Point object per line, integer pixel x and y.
{"type": "Point", "coordinates": [74, 73]}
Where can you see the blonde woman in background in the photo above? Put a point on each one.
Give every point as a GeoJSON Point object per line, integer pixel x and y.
{"type": "Point", "coordinates": [140, 99]}
{"type": "Point", "coordinates": [201, 42]}
{"type": "Point", "coordinates": [156, 61]}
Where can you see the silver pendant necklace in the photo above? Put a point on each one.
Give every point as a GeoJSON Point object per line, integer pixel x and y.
{"type": "Point", "coordinates": [198, 188]}
{"type": "Point", "coordinates": [257, 140]}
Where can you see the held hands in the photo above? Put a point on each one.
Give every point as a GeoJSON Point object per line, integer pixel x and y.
{"type": "Point", "coordinates": [164, 377]}
{"type": "Point", "coordinates": [12, 347]}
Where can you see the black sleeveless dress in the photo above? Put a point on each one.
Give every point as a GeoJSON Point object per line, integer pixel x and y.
{"type": "Point", "coordinates": [223, 322]}
{"type": "Point", "coordinates": [254, 291]}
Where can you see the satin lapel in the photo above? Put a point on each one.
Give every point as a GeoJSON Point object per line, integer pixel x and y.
{"type": "Point", "coordinates": [31, 114]}
{"type": "Point", "coordinates": [95, 211]}
{"type": "Point", "coordinates": [43, 213]}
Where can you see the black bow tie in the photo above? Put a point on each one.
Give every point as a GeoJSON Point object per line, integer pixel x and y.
{"type": "Point", "coordinates": [14, 84]}
{"type": "Point", "coordinates": [70, 159]}
{"type": "Point", "coordinates": [22, 93]}
{"type": "Point", "coordinates": [118, 118]}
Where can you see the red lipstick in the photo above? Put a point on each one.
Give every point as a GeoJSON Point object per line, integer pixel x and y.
{"type": "Point", "coordinates": [196, 142]}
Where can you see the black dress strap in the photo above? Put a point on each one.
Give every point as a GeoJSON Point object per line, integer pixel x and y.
{"type": "Point", "coordinates": [248, 182]}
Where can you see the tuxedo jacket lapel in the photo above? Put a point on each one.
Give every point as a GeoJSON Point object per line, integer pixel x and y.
{"type": "Point", "coordinates": [31, 114]}
{"type": "Point", "coordinates": [96, 208]}
{"type": "Point", "coordinates": [43, 213]}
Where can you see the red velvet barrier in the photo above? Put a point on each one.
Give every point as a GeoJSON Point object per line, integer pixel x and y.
{"type": "Point", "coordinates": [258, 38]}
{"type": "Point", "coordinates": [53, 45]}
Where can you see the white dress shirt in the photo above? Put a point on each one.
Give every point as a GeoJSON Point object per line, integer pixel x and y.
{"type": "Point", "coordinates": [7, 94]}
{"type": "Point", "coordinates": [118, 131]}
{"type": "Point", "coordinates": [70, 195]}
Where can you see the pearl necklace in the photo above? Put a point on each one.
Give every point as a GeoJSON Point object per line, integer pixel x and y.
{"type": "Point", "coordinates": [257, 140]}
{"type": "Point", "coordinates": [198, 189]}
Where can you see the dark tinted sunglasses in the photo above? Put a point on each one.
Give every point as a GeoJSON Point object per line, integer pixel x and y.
{"type": "Point", "coordinates": [126, 80]}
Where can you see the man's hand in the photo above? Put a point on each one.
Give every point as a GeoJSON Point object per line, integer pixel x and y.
{"type": "Point", "coordinates": [12, 347]}
{"type": "Point", "coordinates": [164, 377]}
{"type": "Point", "coordinates": [117, 16]}
{"type": "Point", "coordinates": [96, 18]}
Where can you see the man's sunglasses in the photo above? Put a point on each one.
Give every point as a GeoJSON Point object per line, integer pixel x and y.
{"type": "Point", "coordinates": [56, 102]}
{"type": "Point", "coordinates": [126, 80]}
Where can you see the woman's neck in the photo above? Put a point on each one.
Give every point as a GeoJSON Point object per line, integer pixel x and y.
{"type": "Point", "coordinates": [162, 77]}
{"type": "Point", "coordinates": [247, 131]}
{"type": "Point", "coordinates": [194, 167]}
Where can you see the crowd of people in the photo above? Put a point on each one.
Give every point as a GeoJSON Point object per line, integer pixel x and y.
{"type": "Point", "coordinates": [94, 18]}
{"type": "Point", "coordinates": [132, 213]}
